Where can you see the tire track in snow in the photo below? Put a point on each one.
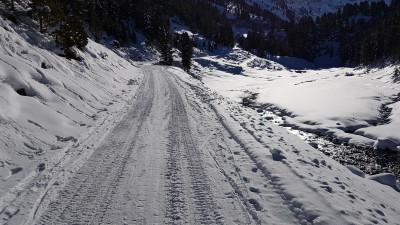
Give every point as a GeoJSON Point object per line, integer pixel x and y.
{"type": "Point", "coordinates": [86, 197]}
{"type": "Point", "coordinates": [182, 151]}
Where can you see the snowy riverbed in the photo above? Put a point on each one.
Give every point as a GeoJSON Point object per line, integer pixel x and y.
{"type": "Point", "coordinates": [366, 159]}
{"type": "Point", "coordinates": [342, 103]}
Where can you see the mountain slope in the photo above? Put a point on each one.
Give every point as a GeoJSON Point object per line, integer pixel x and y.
{"type": "Point", "coordinates": [300, 8]}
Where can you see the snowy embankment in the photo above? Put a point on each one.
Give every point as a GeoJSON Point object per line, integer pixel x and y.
{"type": "Point", "coordinates": [316, 189]}
{"type": "Point", "coordinates": [354, 106]}
{"type": "Point", "coordinates": [49, 104]}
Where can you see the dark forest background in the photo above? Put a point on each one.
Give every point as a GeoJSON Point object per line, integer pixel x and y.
{"type": "Point", "coordinates": [361, 34]}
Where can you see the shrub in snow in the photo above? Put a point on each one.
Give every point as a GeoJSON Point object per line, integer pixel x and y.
{"type": "Point", "coordinates": [385, 144]}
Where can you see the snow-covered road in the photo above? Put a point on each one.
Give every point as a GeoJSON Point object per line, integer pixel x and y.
{"type": "Point", "coordinates": [181, 154]}
{"type": "Point", "coordinates": [149, 169]}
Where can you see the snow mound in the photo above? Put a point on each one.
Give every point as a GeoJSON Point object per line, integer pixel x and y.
{"type": "Point", "coordinates": [356, 171]}
{"type": "Point", "coordinates": [386, 179]}
{"type": "Point", "coordinates": [385, 144]}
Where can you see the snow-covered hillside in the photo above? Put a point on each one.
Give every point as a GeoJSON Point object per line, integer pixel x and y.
{"type": "Point", "coordinates": [302, 8]}
{"type": "Point", "coordinates": [60, 101]}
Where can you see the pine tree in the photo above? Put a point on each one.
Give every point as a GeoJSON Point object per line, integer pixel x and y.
{"type": "Point", "coordinates": [165, 46]}
{"type": "Point", "coordinates": [41, 11]}
{"type": "Point", "coordinates": [96, 19]}
{"type": "Point", "coordinates": [186, 52]}
{"type": "Point", "coordinates": [72, 34]}
{"type": "Point", "coordinates": [9, 3]}
{"type": "Point", "coordinates": [396, 75]}
{"type": "Point", "coordinates": [226, 35]}
{"type": "Point", "coordinates": [56, 12]}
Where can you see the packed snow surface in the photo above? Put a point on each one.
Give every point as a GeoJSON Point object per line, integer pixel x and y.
{"type": "Point", "coordinates": [107, 141]}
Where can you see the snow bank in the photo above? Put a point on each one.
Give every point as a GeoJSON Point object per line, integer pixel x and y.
{"type": "Point", "coordinates": [47, 102]}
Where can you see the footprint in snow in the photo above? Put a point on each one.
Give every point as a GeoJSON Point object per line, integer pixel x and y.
{"type": "Point", "coordinates": [254, 190]}
{"type": "Point", "coordinates": [277, 155]}
{"type": "Point", "coordinates": [255, 204]}
{"type": "Point", "coordinates": [16, 170]}
{"type": "Point", "coordinates": [327, 188]}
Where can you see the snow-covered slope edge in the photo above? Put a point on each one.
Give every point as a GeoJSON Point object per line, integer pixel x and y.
{"type": "Point", "coordinates": [317, 189]}
{"type": "Point", "coordinates": [65, 102]}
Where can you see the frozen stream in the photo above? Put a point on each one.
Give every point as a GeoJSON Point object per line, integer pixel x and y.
{"type": "Point", "coordinates": [368, 160]}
